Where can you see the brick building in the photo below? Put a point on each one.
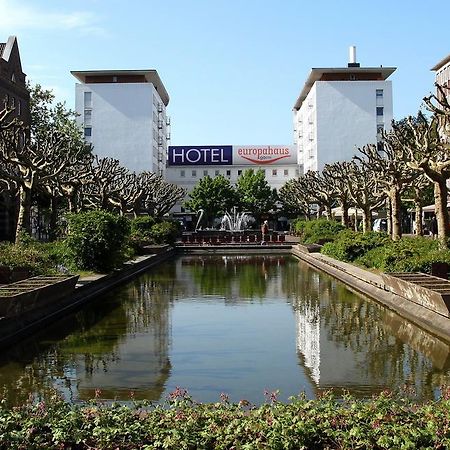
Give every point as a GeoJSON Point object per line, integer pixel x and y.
{"type": "Point", "coordinates": [13, 93]}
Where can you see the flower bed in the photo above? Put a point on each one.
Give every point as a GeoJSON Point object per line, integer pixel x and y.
{"type": "Point", "coordinates": [385, 422]}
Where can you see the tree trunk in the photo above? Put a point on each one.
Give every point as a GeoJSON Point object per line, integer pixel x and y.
{"type": "Point", "coordinates": [53, 218]}
{"type": "Point", "coordinates": [329, 212]}
{"type": "Point", "coordinates": [440, 201]}
{"type": "Point", "coordinates": [344, 209]}
{"type": "Point", "coordinates": [396, 214]}
{"type": "Point", "coordinates": [23, 218]}
{"type": "Point", "coordinates": [389, 216]}
{"type": "Point", "coordinates": [367, 220]}
{"type": "Point", "coordinates": [419, 212]}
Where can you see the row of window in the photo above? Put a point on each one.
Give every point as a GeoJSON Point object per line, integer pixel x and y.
{"type": "Point", "coordinates": [13, 102]}
{"type": "Point", "coordinates": [195, 173]}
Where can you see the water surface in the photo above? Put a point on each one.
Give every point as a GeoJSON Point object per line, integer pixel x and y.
{"type": "Point", "coordinates": [237, 325]}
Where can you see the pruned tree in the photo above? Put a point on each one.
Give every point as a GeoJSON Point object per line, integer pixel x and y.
{"type": "Point", "coordinates": [321, 191]}
{"type": "Point", "coordinates": [386, 165]}
{"type": "Point", "coordinates": [336, 176]}
{"type": "Point", "coordinates": [160, 196]}
{"type": "Point", "coordinates": [296, 195]}
{"type": "Point", "coordinates": [428, 153]}
{"type": "Point", "coordinates": [364, 192]}
{"type": "Point", "coordinates": [105, 181]}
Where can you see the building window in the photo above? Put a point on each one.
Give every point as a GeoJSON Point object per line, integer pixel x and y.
{"type": "Point", "coordinates": [380, 129]}
{"type": "Point", "coordinates": [205, 173]}
{"type": "Point", "coordinates": [182, 173]}
{"type": "Point", "coordinates": [217, 172]}
{"type": "Point", "coordinates": [87, 98]}
{"type": "Point", "coordinates": [380, 110]}
{"type": "Point", "coordinates": [274, 172]}
{"type": "Point", "coordinates": [88, 131]}
{"type": "Point", "coordinates": [19, 107]}
{"type": "Point", "coordinates": [239, 173]}
{"type": "Point", "coordinates": [228, 173]}
{"type": "Point", "coordinates": [286, 172]}
{"type": "Point", "coordinates": [379, 93]}
{"type": "Point", "coordinates": [194, 173]}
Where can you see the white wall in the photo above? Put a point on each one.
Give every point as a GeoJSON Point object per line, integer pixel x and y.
{"type": "Point", "coordinates": [122, 122]}
{"type": "Point", "coordinates": [344, 116]}
{"type": "Point", "coordinates": [173, 175]}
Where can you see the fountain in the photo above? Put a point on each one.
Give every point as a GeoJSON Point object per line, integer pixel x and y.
{"type": "Point", "coordinates": [235, 222]}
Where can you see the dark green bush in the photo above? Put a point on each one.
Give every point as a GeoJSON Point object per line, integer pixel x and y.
{"type": "Point", "coordinates": [142, 225]}
{"type": "Point", "coordinates": [351, 245]}
{"type": "Point", "coordinates": [405, 255]}
{"type": "Point", "coordinates": [97, 239]}
{"type": "Point", "coordinates": [317, 231]}
{"type": "Point", "coordinates": [164, 232]}
{"type": "Point", "coordinates": [33, 258]}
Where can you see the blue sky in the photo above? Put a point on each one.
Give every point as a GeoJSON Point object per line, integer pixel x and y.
{"type": "Point", "coordinates": [233, 69]}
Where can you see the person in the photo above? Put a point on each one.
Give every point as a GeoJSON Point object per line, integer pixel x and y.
{"type": "Point", "coordinates": [433, 227]}
{"type": "Point", "coordinates": [264, 231]}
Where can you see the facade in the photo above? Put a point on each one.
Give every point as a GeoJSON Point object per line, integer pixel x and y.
{"type": "Point", "coordinates": [123, 113]}
{"type": "Point", "coordinates": [13, 88]}
{"type": "Point", "coordinates": [340, 109]}
{"type": "Point", "coordinates": [442, 69]}
{"type": "Point", "coordinates": [186, 165]}
{"type": "Point", "coordinates": [13, 93]}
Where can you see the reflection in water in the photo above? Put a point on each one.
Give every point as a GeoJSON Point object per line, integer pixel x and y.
{"type": "Point", "coordinates": [227, 324]}
{"type": "Point", "coordinates": [348, 342]}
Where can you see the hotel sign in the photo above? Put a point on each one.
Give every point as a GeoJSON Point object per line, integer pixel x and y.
{"type": "Point", "coordinates": [227, 155]}
{"type": "Point", "coordinates": [218, 155]}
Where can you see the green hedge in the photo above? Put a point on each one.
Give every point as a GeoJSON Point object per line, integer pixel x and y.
{"type": "Point", "coordinates": [37, 258]}
{"type": "Point", "coordinates": [97, 239]}
{"type": "Point", "coordinates": [409, 254]}
{"type": "Point", "coordinates": [317, 231]}
{"type": "Point", "coordinates": [351, 245]}
{"type": "Point", "coordinates": [384, 422]}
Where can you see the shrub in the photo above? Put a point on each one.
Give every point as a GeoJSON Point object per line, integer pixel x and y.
{"type": "Point", "coordinates": [97, 239]}
{"type": "Point", "coordinates": [164, 232]}
{"type": "Point", "coordinates": [405, 255]}
{"type": "Point", "coordinates": [317, 231]}
{"type": "Point", "coordinates": [351, 245]}
{"type": "Point", "coordinates": [141, 226]}
{"type": "Point", "coordinates": [29, 257]}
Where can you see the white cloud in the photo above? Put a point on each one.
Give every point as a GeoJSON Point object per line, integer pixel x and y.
{"type": "Point", "coordinates": [18, 17]}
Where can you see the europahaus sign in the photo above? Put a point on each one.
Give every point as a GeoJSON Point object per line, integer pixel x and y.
{"type": "Point", "coordinates": [227, 155]}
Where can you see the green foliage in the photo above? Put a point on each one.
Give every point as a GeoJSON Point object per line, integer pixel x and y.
{"type": "Point", "coordinates": [326, 423]}
{"type": "Point", "coordinates": [142, 226]}
{"type": "Point", "coordinates": [164, 232]}
{"type": "Point", "coordinates": [97, 239]}
{"type": "Point", "coordinates": [405, 255]}
{"type": "Point", "coordinates": [30, 257]}
{"type": "Point", "coordinates": [213, 195]}
{"type": "Point", "coordinates": [317, 231]}
{"type": "Point", "coordinates": [351, 245]}
{"type": "Point", "coordinates": [254, 193]}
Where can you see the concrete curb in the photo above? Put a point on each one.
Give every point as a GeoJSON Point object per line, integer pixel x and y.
{"type": "Point", "coordinates": [370, 284]}
{"type": "Point", "coordinates": [14, 329]}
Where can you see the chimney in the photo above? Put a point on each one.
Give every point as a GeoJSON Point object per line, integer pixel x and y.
{"type": "Point", "coordinates": [352, 57]}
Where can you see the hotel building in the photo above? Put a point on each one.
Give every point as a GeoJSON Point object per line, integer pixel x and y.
{"type": "Point", "coordinates": [123, 114]}
{"type": "Point", "coordinates": [186, 165]}
{"type": "Point", "coordinates": [442, 69]}
{"type": "Point", "coordinates": [339, 110]}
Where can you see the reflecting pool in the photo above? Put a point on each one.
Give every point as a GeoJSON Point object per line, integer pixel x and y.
{"type": "Point", "coordinates": [239, 325]}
